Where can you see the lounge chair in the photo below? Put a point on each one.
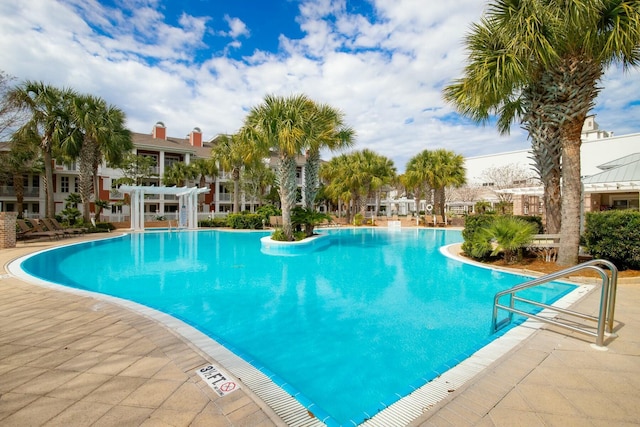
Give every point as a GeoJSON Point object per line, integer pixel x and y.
{"type": "Point", "coordinates": [52, 227]}
{"type": "Point", "coordinates": [27, 232]}
{"type": "Point", "coordinates": [42, 227]}
{"type": "Point", "coordinates": [80, 230]}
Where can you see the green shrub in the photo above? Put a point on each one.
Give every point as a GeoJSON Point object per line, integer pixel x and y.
{"type": "Point", "coordinates": [614, 236]}
{"type": "Point", "coordinates": [306, 220]}
{"type": "Point", "coordinates": [473, 245]}
{"type": "Point", "coordinates": [509, 234]}
{"type": "Point", "coordinates": [213, 222]}
{"type": "Point", "coordinates": [537, 220]}
{"type": "Point", "coordinates": [267, 211]}
{"type": "Point", "coordinates": [245, 221]}
{"type": "Point", "coordinates": [358, 219]}
{"type": "Point", "coordinates": [278, 234]}
{"type": "Point", "coordinates": [102, 227]}
{"type": "Point", "coordinates": [489, 235]}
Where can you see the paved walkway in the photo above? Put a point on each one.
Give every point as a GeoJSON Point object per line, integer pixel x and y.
{"type": "Point", "coordinates": [78, 361]}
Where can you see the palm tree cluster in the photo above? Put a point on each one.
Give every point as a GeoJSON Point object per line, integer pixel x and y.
{"type": "Point", "coordinates": [433, 171]}
{"type": "Point", "coordinates": [67, 126]}
{"type": "Point", "coordinates": [355, 178]}
{"type": "Point", "coordinates": [539, 62]}
{"type": "Point", "coordinates": [287, 127]}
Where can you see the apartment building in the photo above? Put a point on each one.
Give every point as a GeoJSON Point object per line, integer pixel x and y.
{"type": "Point", "coordinates": [165, 150]}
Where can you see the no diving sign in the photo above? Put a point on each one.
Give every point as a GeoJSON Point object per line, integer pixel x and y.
{"type": "Point", "coordinates": [218, 380]}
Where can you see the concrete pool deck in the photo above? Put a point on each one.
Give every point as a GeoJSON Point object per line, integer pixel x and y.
{"type": "Point", "coordinates": [67, 359]}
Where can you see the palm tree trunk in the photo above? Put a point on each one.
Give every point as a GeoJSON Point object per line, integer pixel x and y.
{"type": "Point", "coordinates": [312, 180]}
{"type": "Point", "coordinates": [49, 209]}
{"type": "Point", "coordinates": [236, 190]}
{"type": "Point", "coordinates": [288, 184]}
{"type": "Point", "coordinates": [576, 84]}
{"type": "Point", "coordinates": [571, 202]}
{"type": "Point", "coordinates": [85, 162]}
{"type": "Point", "coordinates": [18, 186]}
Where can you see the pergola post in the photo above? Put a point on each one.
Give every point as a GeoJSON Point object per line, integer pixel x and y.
{"type": "Point", "coordinates": [187, 198]}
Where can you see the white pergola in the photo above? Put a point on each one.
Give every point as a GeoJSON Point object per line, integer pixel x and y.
{"type": "Point", "coordinates": [187, 202]}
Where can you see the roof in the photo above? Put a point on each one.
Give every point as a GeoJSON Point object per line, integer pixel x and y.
{"type": "Point", "coordinates": [620, 162]}
{"type": "Point", "coordinates": [176, 145]}
{"type": "Point", "coordinates": [628, 172]}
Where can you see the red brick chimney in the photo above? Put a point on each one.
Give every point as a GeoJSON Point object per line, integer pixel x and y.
{"type": "Point", "coordinates": [159, 131]}
{"type": "Point", "coordinates": [195, 137]}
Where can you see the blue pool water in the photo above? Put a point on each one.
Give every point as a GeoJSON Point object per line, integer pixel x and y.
{"type": "Point", "coordinates": [351, 326]}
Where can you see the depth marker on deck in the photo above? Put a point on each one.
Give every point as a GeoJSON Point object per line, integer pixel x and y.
{"type": "Point", "coordinates": [218, 380]}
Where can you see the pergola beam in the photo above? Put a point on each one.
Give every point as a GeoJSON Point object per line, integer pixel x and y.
{"type": "Point", "coordinates": [188, 201]}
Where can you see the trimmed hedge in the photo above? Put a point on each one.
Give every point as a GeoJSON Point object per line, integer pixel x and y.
{"type": "Point", "coordinates": [245, 221]}
{"type": "Point", "coordinates": [214, 222]}
{"type": "Point", "coordinates": [614, 236]}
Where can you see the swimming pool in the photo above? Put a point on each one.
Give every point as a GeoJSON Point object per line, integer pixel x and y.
{"type": "Point", "coordinates": [352, 327]}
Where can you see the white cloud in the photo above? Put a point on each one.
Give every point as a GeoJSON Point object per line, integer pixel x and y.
{"type": "Point", "coordinates": [386, 74]}
{"type": "Point", "coordinates": [237, 28]}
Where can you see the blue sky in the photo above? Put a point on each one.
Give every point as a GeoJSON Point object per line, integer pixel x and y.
{"type": "Point", "coordinates": [205, 63]}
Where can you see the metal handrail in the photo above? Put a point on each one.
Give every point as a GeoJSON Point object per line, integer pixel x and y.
{"type": "Point", "coordinates": [607, 300]}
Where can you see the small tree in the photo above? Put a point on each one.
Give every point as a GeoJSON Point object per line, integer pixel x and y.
{"type": "Point", "coordinates": [100, 206]}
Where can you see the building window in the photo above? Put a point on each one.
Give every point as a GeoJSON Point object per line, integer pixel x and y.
{"type": "Point", "coordinates": [35, 181]}
{"type": "Point", "coordinates": [170, 160]}
{"type": "Point", "coordinates": [75, 185]}
{"type": "Point", "coordinates": [487, 184]}
{"type": "Point", "coordinates": [64, 184]}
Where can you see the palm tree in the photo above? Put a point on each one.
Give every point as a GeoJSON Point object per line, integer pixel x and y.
{"type": "Point", "coordinates": [373, 171]}
{"type": "Point", "coordinates": [97, 132]}
{"type": "Point", "coordinates": [342, 187]}
{"type": "Point", "coordinates": [233, 153]}
{"type": "Point", "coordinates": [557, 51]}
{"type": "Point", "coordinates": [48, 110]}
{"type": "Point", "coordinates": [436, 170]}
{"type": "Point", "coordinates": [326, 130]}
{"type": "Point", "coordinates": [204, 168]}
{"type": "Point", "coordinates": [280, 125]}
{"type": "Point", "coordinates": [179, 174]}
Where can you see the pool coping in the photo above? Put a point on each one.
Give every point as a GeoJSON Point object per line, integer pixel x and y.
{"type": "Point", "coordinates": [285, 406]}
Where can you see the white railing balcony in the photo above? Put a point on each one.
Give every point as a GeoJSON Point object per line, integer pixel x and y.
{"type": "Point", "coordinates": [116, 195]}
{"type": "Point", "coordinates": [7, 191]}
{"type": "Point", "coordinates": [224, 197]}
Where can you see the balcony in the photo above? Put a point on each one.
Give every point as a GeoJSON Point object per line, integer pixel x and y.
{"type": "Point", "coordinates": [224, 197]}
{"type": "Point", "coordinates": [6, 191]}
{"type": "Point", "coordinates": [116, 195]}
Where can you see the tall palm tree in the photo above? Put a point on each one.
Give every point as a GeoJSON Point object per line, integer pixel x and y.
{"type": "Point", "coordinates": [373, 171]}
{"type": "Point", "coordinates": [343, 185]}
{"type": "Point", "coordinates": [327, 130]}
{"type": "Point", "coordinates": [436, 170]}
{"type": "Point", "coordinates": [47, 108]}
{"type": "Point", "coordinates": [564, 47]}
{"type": "Point", "coordinates": [280, 125]}
{"type": "Point", "coordinates": [97, 132]}
{"type": "Point", "coordinates": [233, 153]}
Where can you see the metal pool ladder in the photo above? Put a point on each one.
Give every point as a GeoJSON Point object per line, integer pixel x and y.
{"type": "Point", "coordinates": [607, 302]}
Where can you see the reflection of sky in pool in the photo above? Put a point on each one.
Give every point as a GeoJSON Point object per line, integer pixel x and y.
{"type": "Point", "coordinates": [348, 326]}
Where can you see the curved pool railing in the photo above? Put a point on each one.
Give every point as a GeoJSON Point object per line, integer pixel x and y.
{"type": "Point", "coordinates": [606, 309]}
